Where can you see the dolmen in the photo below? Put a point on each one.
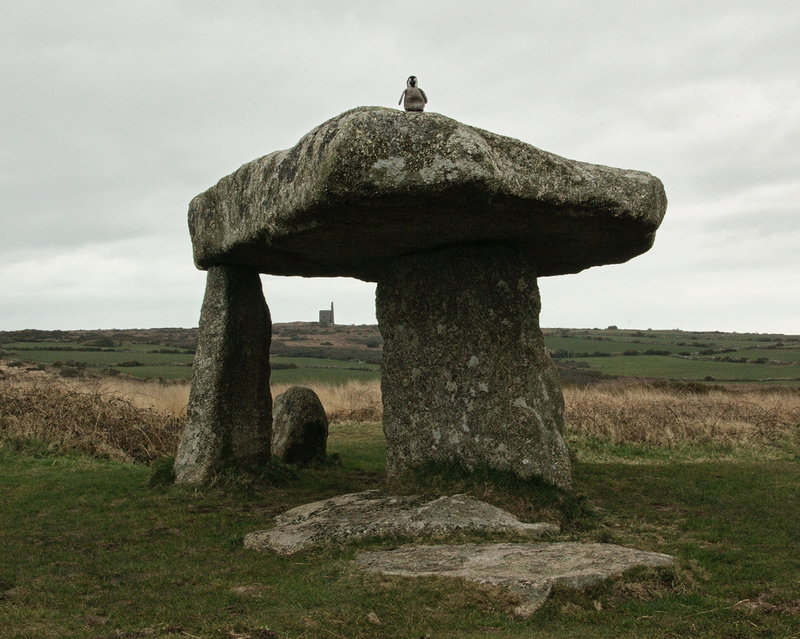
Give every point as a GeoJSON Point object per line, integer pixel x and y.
{"type": "Point", "coordinates": [455, 224]}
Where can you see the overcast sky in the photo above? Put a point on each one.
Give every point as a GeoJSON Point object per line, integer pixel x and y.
{"type": "Point", "coordinates": [116, 113]}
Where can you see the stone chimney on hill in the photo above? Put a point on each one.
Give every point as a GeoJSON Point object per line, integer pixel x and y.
{"type": "Point", "coordinates": [326, 317]}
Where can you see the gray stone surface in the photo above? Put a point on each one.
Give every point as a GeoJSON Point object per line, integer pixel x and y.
{"type": "Point", "coordinates": [527, 570]}
{"type": "Point", "coordinates": [372, 184]}
{"type": "Point", "coordinates": [230, 407]}
{"type": "Point", "coordinates": [371, 514]}
{"type": "Point", "coordinates": [455, 224]}
{"type": "Point", "coordinates": [466, 376]}
{"type": "Point", "coordinates": [299, 427]}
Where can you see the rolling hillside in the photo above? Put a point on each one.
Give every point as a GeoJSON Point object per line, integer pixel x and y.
{"type": "Point", "coordinates": [304, 351]}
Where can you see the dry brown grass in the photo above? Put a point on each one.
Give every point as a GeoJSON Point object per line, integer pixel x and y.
{"type": "Point", "coordinates": [353, 401]}
{"type": "Point", "coordinates": [129, 419]}
{"type": "Point", "coordinates": [633, 413]}
{"type": "Point", "coordinates": [639, 414]}
{"type": "Point", "coordinates": [142, 419]}
{"type": "Point", "coordinates": [88, 420]}
{"type": "Point", "coordinates": [169, 398]}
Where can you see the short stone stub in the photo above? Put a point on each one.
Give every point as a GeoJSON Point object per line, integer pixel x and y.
{"type": "Point", "coordinates": [299, 427]}
{"type": "Point", "coordinates": [466, 377]}
{"type": "Point", "coordinates": [230, 407]}
{"type": "Point", "coordinates": [529, 570]}
{"type": "Point", "coordinates": [372, 514]}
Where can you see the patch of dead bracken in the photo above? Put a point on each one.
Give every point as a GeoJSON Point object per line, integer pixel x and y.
{"type": "Point", "coordinates": [85, 419]}
{"type": "Point", "coordinates": [770, 602]}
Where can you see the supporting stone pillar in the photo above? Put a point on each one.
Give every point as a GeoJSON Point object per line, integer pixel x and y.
{"type": "Point", "coordinates": [466, 376]}
{"type": "Point", "coordinates": [230, 407]}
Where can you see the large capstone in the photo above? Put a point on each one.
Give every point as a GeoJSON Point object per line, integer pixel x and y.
{"type": "Point", "coordinates": [466, 376]}
{"type": "Point", "coordinates": [230, 407]}
{"type": "Point", "coordinates": [372, 184]}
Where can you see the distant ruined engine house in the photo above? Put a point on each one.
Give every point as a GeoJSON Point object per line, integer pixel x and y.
{"type": "Point", "coordinates": [326, 317]}
{"type": "Point", "coordinates": [455, 224]}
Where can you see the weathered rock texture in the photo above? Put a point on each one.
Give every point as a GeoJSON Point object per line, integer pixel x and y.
{"type": "Point", "coordinates": [230, 407]}
{"type": "Point", "coordinates": [374, 183]}
{"type": "Point", "coordinates": [455, 224]}
{"type": "Point", "coordinates": [370, 514]}
{"type": "Point", "coordinates": [299, 427]}
{"type": "Point", "coordinates": [466, 376]}
{"type": "Point", "coordinates": [527, 570]}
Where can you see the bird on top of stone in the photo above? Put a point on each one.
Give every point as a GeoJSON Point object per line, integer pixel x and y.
{"type": "Point", "coordinates": [413, 98]}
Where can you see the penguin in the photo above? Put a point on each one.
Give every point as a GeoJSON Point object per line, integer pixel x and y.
{"type": "Point", "coordinates": [413, 98]}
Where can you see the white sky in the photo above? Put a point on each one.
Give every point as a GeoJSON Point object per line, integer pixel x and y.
{"type": "Point", "coordinates": [114, 114]}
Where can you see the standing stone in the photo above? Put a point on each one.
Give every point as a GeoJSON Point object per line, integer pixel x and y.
{"type": "Point", "coordinates": [466, 376]}
{"type": "Point", "coordinates": [299, 427]}
{"type": "Point", "coordinates": [230, 407]}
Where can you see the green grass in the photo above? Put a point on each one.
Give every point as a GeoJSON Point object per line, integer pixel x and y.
{"type": "Point", "coordinates": [571, 341]}
{"type": "Point", "coordinates": [319, 362]}
{"type": "Point", "coordinates": [154, 372]}
{"type": "Point", "coordinates": [776, 354]}
{"type": "Point", "coordinates": [612, 341]}
{"type": "Point", "coordinates": [322, 371]}
{"type": "Point", "coordinates": [90, 551]}
{"type": "Point", "coordinates": [40, 345]}
{"type": "Point", "coordinates": [174, 365]}
{"type": "Point", "coordinates": [687, 369]}
{"type": "Point", "coordinates": [360, 445]}
{"type": "Point", "coordinates": [615, 343]}
{"type": "Point", "coordinates": [320, 375]}
{"type": "Point", "coordinates": [102, 358]}
{"type": "Point", "coordinates": [595, 450]}
{"type": "Point", "coordinates": [613, 346]}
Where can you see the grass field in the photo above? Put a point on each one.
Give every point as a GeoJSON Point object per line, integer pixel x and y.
{"type": "Point", "coordinates": [321, 376]}
{"type": "Point", "coordinates": [177, 569]}
{"type": "Point", "coordinates": [315, 370]}
{"type": "Point", "coordinates": [92, 551]}
{"type": "Point", "coordinates": [677, 355]}
{"type": "Point", "coordinates": [691, 370]}
{"type": "Point", "coordinates": [104, 358]}
{"type": "Point", "coordinates": [151, 365]}
{"type": "Point", "coordinates": [319, 362]}
{"type": "Point", "coordinates": [680, 355]}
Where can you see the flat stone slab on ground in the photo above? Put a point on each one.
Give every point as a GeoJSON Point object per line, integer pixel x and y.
{"type": "Point", "coordinates": [529, 570]}
{"type": "Point", "coordinates": [372, 514]}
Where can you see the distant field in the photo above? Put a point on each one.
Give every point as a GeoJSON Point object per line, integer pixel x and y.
{"type": "Point", "coordinates": [176, 365]}
{"type": "Point", "coordinates": [154, 372]}
{"type": "Point", "coordinates": [784, 355]}
{"type": "Point", "coordinates": [680, 355]}
{"type": "Point", "coordinates": [319, 362]}
{"type": "Point", "coordinates": [677, 355]}
{"type": "Point", "coordinates": [321, 375]}
{"type": "Point", "coordinates": [590, 344]}
{"type": "Point", "coordinates": [323, 371]}
{"type": "Point", "coordinates": [132, 359]}
{"type": "Point", "coordinates": [690, 370]}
